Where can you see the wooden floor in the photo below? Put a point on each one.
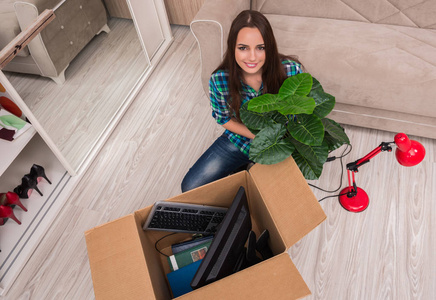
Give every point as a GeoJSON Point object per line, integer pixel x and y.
{"type": "Point", "coordinates": [97, 83]}
{"type": "Point", "coordinates": [385, 252]}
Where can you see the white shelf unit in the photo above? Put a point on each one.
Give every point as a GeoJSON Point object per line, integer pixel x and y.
{"type": "Point", "coordinates": [17, 242]}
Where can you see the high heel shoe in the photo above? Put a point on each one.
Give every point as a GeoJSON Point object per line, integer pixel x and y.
{"type": "Point", "coordinates": [28, 184]}
{"type": "Point", "coordinates": [11, 198]}
{"type": "Point", "coordinates": [38, 172]}
{"type": "Point", "coordinates": [8, 212]}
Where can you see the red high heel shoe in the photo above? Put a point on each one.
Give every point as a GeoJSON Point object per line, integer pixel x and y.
{"type": "Point", "coordinates": [11, 198]}
{"type": "Point", "coordinates": [8, 212]}
{"type": "Point", "coordinates": [38, 173]}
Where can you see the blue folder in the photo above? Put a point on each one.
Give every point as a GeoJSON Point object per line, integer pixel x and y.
{"type": "Point", "coordinates": [180, 280]}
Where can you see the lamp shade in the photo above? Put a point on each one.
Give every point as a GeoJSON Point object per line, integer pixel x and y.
{"type": "Point", "coordinates": [409, 152]}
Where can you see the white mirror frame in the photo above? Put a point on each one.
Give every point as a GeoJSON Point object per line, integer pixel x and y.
{"type": "Point", "coordinates": [142, 25]}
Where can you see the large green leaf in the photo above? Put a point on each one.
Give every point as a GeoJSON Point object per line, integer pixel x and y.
{"type": "Point", "coordinates": [313, 153]}
{"type": "Point", "coordinates": [269, 147]}
{"type": "Point", "coordinates": [310, 159]}
{"type": "Point", "coordinates": [299, 84]}
{"type": "Point", "coordinates": [324, 103]}
{"type": "Point", "coordinates": [253, 120]}
{"type": "Point", "coordinates": [295, 105]}
{"type": "Point", "coordinates": [316, 85]}
{"type": "Point", "coordinates": [336, 131]}
{"type": "Point", "coordinates": [308, 171]}
{"type": "Point", "coordinates": [307, 129]}
{"type": "Point", "coordinates": [265, 103]}
{"type": "Point", "coordinates": [257, 121]}
{"type": "Point", "coordinates": [277, 117]}
{"type": "Point", "coordinates": [332, 143]}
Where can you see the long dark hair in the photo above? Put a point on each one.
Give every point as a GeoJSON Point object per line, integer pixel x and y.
{"type": "Point", "coordinates": [273, 73]}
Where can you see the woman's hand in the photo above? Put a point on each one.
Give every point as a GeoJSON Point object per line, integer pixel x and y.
{"type": "Point", "coordinates": [237, 127]}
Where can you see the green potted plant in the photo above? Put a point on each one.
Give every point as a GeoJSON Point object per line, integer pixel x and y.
{"type": "Point", "coordinates": [293, 122]}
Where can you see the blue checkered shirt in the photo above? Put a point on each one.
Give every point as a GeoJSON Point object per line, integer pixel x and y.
{"type": "Point", "coordinates": [219, 93]}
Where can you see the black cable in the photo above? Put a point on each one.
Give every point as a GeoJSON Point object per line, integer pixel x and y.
{"type": "Point", "coordinates": [332, 158]}
{"type": "Point", "coordinates": [155, 245]}
{"type": "Point", "coordinates": [343, 194]}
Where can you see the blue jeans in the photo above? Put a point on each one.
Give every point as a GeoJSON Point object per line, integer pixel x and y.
{"type": "Point", "coordinates": [220, 160]}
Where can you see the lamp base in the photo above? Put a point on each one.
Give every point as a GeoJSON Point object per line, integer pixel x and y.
{"type": "Point", "coordinates": [356, 203]}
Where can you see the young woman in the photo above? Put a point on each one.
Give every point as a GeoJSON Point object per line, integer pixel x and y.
{"type": "Point", "coordinates": [252, 66]}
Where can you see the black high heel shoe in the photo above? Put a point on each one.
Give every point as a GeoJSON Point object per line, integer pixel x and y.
{"type": "Point", "coordinates": [38, 172]}
{"type": "Point", "coordinates": [28, 183]}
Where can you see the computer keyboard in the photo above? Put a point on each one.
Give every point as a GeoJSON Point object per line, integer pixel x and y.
{"type": "Point", "coordinates": [183, 217]}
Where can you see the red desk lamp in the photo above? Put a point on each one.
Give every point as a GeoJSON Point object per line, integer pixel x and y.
{"type": "Point", "coordinates": [408, 153]}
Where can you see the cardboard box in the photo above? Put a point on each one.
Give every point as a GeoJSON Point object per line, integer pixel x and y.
{"type": "Point", "coordinates": [125, 264]}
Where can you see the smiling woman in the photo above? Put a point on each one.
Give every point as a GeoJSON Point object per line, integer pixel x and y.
{"type": "Point", "coordinates": [252, 66]}
{"type": "Point", "coordinates": [250, 56]}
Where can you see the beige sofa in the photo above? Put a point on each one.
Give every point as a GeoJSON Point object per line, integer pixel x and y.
{"type": "Point", "coordinates": [377, 57]}
{"type": "Point", "coordinates": [50, 53]}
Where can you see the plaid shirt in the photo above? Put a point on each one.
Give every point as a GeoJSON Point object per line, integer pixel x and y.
{"type": "Point", "coordinates": [219, 93]}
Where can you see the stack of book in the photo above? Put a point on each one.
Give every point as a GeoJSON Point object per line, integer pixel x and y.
{"type": "Point", "coordinates": [184, 263]}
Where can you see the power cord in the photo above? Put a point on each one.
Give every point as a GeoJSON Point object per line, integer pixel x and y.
{"type": "Point", "coordinates": [333, 196]}
{"type": "Point", "coordinates": [332, 158]}
{"type": "Point", "coordinates": [155, 245]}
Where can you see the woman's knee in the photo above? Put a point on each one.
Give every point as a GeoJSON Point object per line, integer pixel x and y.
{"type": "Point", "coordinates": [200, 174]}
{"type": "Point", "coordinates": [220, 160]}
{"type": "Point", "coordinates": [188, 184]}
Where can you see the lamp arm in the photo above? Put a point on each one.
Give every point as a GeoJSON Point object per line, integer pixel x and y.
{"type": "Point", "coordinates": [384, 146]}
{"type": "Point", "coordinates": [353, 166]}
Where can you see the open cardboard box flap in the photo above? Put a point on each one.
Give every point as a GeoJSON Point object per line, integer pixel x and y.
{"type": "Point", "coordinates": [125, 265]}
{"type": "Point", "coordinates": [117, 261]}
{"type": "Point", "coordinates": [288, 198]}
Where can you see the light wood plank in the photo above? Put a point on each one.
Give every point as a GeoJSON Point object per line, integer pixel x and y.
{"type": "Point", "coordinates": [386, 252]}
{"type": "Point", "coordinates": [383, 252]}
